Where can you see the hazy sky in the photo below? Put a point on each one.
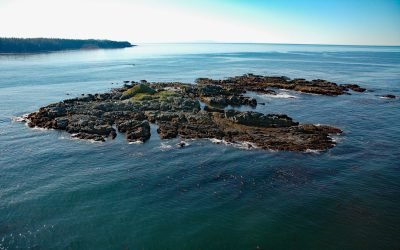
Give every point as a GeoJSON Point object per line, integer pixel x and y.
{"type": "Point", "coordinates": [374, 22]}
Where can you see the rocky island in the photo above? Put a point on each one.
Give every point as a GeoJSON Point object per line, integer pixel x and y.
{"type": "Point", "coordinates": [175, 108]}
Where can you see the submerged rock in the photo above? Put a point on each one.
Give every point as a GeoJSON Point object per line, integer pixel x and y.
{"type": "Point", "coordinates": [353, 87]}
{"type": "Point", "coordinates": [389, 96]}
{"type": "Point", "coordinates": [182, 144]}
{"type": "Point", "coordinates": [175, 108]}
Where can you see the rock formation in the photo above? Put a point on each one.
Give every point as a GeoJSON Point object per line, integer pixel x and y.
{"type": "Point", "coordinates": [175, 109]}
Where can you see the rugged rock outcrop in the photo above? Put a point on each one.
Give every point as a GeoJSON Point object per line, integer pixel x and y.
{"type": "Point", "coordinates": [175, 109]}
{"type": "Point", "coordinates": [257, 83]}
{"type": "Point", "coordinates": [256, 119]}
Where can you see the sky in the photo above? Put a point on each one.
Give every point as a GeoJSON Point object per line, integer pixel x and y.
{"type": "Point", "coordinates": [352, 22]}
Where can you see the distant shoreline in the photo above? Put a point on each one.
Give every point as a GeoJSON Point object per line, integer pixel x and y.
{"type": "Point", "coordinates": [45, 45]}
{"type": "Point", "coordinates": [267, 43]}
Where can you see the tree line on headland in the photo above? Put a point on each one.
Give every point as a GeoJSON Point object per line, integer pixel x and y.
{"type": "Point", "coordinates": [33, 45]}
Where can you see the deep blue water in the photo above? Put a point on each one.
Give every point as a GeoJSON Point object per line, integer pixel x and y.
{"type": "Point", "coordinates": [59, 193]}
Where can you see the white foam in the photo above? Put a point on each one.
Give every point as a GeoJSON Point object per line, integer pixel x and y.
{"type": "Point", "coordinates": [165, 147]}
{"type": "Point", "coordinates": [241, 144]}
{"type": "Point", "coordinates": [135, 142]}
{"type": "Point", "coordinates": [94, 141]}
{"type": "Point", "coordinates": [280, 95]}
{"type": "Point", "coordinates": [216, 141]}
{"type": "Point", "coordinates": [313, 151]}
{"type": "Point", "coordinates": [40, 129]}
{"type": "Point", "coordinates": [73, 137]}
{"type": "Point", "coordinates": [336, 138]}
{"type": "Point", "coordinates": [22, 118]}
{"type": "Point", "coordinates": [18, 119]}
{"type": "Point", "coordinates": [86, 140]}
{"type": "Point", "coordinates": [245, 145]}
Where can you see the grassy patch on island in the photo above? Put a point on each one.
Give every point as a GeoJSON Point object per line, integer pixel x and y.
{"type": "Point", "coordinates": [141, 88]}
{"type": "Point", "coordinates": [162, 96]}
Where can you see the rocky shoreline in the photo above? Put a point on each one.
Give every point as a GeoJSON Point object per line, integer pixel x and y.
{"type": "Point", "coordinates": [175, 108]}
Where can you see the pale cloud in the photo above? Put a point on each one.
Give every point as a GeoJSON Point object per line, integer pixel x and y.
{"type": "Point", "coordinates": [137, 21]}
{"type": "Point", "coordinates": [186, 21]}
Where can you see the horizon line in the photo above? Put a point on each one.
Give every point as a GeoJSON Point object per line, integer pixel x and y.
{"type": "Point", "coordinates": [271, 43]}
{"type": "Point", "coordinates": [213, 42]}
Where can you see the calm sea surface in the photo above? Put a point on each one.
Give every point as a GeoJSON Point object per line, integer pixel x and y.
{"type": "Point", "coordinates": [58, 193]}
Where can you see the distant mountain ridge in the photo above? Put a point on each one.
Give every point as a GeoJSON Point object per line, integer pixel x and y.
{"type": "Point", "coordinates": [34, 45]}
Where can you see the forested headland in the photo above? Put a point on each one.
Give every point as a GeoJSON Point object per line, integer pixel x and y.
{"type": "Point", "coordinates": [34, 45]}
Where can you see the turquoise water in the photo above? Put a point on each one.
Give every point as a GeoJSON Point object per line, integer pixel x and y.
{"type": "Point", "coordinates": [58, 193]}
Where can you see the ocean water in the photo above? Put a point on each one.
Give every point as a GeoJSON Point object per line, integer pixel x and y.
{"type": "Point", "coordinates": [60, 193]}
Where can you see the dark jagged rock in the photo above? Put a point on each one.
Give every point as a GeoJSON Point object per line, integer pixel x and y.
{"type": "Point", "coordinates": [86, 136]}
{"type": "Point", "coordinates": [140, 132]}
{"type": "Point", "coordinates": [134, 130]}
{"type": "Point", "coordinates": [219, 101]}
{"type": "Point", "coordinates": [260, 120]}
{"type": "Point", "coordinates": [212, 90]}
{"type": "Point", "coordinates": [223, 101]}
{"type": "Point", "coordinates": [182, 144]}
{"type": "Point", "coordinates": [389, 96]}
{"type": "Point", "coordinates": [200, 125]}
{"type": "Point", "coordinates": [353, 87]}
{"type": "Point", "coordinates": [175, 109]}
{"type": "Point", "coordinates": [212, 109]}
{"type": "Point", "coordinates": [257, 83]}
{"type": "Point", "coordinates": [167, 130]}
{"type": "Point", "coordinates": [265, 91]}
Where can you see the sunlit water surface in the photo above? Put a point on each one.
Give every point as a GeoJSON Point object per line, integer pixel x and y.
{"type": "Point", "coordinates": [58, 193]}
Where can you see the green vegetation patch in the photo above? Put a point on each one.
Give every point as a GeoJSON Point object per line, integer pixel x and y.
{"type": "Point", "coordinates": [141, 88]}
{"type": "Point", "coordinates": [143, 97]}
{"type": "Point", "coordinates": [165, 94]}
{"type": "Point", "coordinates": [162, 96]}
